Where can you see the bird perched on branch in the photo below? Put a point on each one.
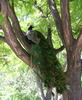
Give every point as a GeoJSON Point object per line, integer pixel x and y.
{"type": "Point", "coordinates": [47, 66]}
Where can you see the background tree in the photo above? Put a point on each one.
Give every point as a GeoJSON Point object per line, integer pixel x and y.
{"type": "Point", "coordinates": [66, 31]}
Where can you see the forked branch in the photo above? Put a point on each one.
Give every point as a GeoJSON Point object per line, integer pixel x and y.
{"type": "Point", "coordinates": [63, 25]}
{"type": "Point", "coordinates": [15, 24]}
{"type": "Point", "coordinates": [10, 35]}
{"type": "Point", "coordinates": [57, 19]}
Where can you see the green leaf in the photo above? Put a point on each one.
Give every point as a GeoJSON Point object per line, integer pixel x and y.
{"type": "Point", "coordinates": [1, 19]}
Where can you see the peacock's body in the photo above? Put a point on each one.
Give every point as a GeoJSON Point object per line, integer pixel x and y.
{"type": "Point", "coordinates": [47, 65]}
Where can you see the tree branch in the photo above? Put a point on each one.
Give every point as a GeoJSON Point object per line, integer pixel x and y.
{"type": "Point", "coordinates": [49, 36]}
{"type": "Point", "coordinates": [66, 22]}
{"type": "Point", "coordinates": [41, 10]}
{"type": "Point", "coordinates": [38, 7]}
{"type": "Point", "coordinates": [16, 27]}
{"type": "Point", "coordinates": [57, 19]}
{"type": "Point", "coordinates": [13, 43]}
{"type": "Point", "coordinates": [10, 35]}
{"type": "Point", "coordinates": [79, 40]}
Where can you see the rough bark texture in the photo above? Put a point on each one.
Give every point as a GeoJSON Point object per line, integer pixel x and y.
{"type": "Point", "coordinates": [74, 76]}
{"type": "Point", "coordinates": [13, 33]}
{"type": "Point", "coordinates": [73, 49]}
{"type": "Point", "coordinates": [15, 39]}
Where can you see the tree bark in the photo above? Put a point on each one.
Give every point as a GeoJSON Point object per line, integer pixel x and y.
{"type": "Point", "coordinates": [13, 35]}
{"type": "Point", "coordinates": [73, 48]}
{"type": "Point", "coordinates": [74, 75]}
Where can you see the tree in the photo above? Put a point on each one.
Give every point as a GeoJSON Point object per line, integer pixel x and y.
{"type": "Point", "coordinates": [15, 39]}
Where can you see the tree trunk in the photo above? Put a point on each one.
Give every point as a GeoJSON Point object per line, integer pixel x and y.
{"type": "Point", "coordinates": [74, 76]}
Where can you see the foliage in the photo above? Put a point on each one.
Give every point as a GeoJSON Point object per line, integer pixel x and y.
{"type": "Point", "coordinates": [76, 18]}
{"type": "Point", "coordinates": [1, 18]}
{"type": "Point", "coordinates": [28, 12]}
{"type": "Point", "coordinates": [17, 82]}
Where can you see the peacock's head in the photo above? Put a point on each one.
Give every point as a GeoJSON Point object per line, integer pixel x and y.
{"type": "Point", "coordinates": [30, 27]}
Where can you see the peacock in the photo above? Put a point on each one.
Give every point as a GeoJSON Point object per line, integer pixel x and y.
{"type": "Point", "coordinates": [46, 63]}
